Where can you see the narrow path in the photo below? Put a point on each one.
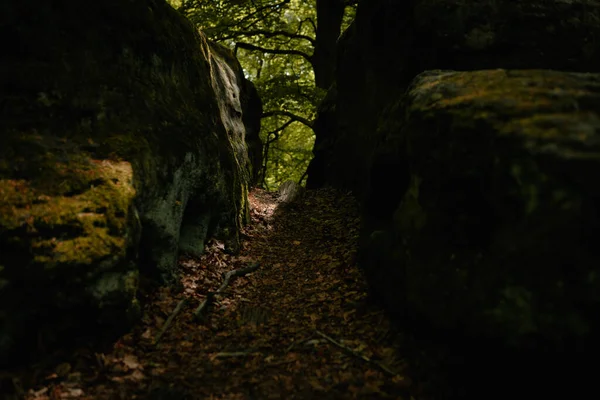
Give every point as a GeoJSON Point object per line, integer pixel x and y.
{"type": "Point", "coordinates": [300, 327]}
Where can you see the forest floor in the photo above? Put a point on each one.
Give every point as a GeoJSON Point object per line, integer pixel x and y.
{"type": "Point", "coordinates": [300, 326]}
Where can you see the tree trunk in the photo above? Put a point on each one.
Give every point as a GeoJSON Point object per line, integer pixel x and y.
{"type": "Point", "coordinates": [330, 14]}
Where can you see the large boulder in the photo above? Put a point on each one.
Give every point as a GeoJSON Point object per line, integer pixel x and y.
{"type": "Point", "coordinates": [122, 143]}
{"type": "Point", "coordinates": [477, 187]}
{"type": "Point", "coordinates": [495, 233]}
{"type": "Point", "coordinates": [391, 41]}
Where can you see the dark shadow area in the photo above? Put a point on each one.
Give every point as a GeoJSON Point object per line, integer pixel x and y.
{"type": "Point", "coordinates": [450, 365]}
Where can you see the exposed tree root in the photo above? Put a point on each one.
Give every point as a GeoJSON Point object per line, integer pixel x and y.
{"type": "Point", "coordinates": [204, 307]}
{"type": "Point", "coordinates": [170, 319]}
{"type": "Point", "coordinates": [356, 354]}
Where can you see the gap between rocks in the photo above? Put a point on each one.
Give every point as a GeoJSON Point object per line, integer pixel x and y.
{"type": "Point", "coordinates": [299, 327]}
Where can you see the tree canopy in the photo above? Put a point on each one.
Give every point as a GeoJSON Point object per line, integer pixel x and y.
{"type": "Point", "coordinates": [287, 48]}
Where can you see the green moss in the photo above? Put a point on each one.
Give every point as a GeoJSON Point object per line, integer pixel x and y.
{"type": "Point", "coordinates": [245, 207]}
{"type": "Point", "coordinates": [73, 226]}
{"type": "Point", "coordinates": [89, 94]}
{"type": "Point", "coordinates": [536, 97]}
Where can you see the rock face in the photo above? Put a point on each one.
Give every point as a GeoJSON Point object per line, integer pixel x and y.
{"type": "Point", "coordinates": [122, 143]}
{"type": "Point", "coordinates": [495, 233]}
{"type": "Point", "coordinates": [390, 42]}
{"type": "Point", "coordinates": [290, 192]}
{"type": "Point", "coordinates": [479, 203]}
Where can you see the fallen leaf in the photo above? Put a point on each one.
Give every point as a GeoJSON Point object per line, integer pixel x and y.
{"type": "Point", "coordinates": [136, 375]}
{"type": "Point", "coordinates": [131, 361]}
{"type": "Point", "coordinates": [269, 358]}
{"type": "Point", "coordinates": [147, 334]}
{"type": "Point", "coordinates": [71, 393]}
{"type": "Point", "coordinates": [316, 384]}
{"type": "Point", "coordinates": [158, 371]}
{"type": "Point", "coordinates": [39, 394]}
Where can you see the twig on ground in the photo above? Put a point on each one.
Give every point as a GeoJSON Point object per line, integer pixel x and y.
{"type": "Point", "coordinates": [226, 354]}
{"type": "Point", "coordinates": [169, 320]}
{"type": "Point", "coordinates": [280, 363]}
{"type": "Point", "coordinates": [297, 343]}
{"type": "Point", "coordinates": [356, 354]}
{"type": "Point", "coordinates": [203, 308]}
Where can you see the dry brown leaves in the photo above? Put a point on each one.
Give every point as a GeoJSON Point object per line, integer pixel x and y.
{"type": "Point", "coordinates": [260, 340]}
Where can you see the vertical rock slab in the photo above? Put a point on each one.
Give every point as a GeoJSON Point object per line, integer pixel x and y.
{"type": "Point", "coordinates": [122, 143]}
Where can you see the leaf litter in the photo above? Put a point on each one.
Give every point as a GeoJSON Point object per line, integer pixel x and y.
{"type": "Point", "coordinates": [299, 327]}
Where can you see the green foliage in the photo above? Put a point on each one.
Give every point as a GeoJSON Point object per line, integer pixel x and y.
{"type": "Point", "coordinates": [288, 153]}
{"type": "Point", "coordinates": [274, 41]}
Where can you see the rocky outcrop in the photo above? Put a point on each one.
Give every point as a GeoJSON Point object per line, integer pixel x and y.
{"type": "Point", "coordinates": [290, 192]}
{"type": "Point", "coordinates": [390, 42]}
{"type": "Point", "coordinates": [251, 105]}
{"type": "Point", "coordinates": [122, 144]}
{"type": "Point", "coordinates": [494, 233]}
{"type": "Point", "coordinates": [479, 206]}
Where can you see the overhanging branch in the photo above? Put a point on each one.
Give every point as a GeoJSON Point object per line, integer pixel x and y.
{"type": "Point", "coordinates": [273, 7]}
{"type": "Point", "coordinates": [269, 34]}
{"type": "Point", "coordinates": [275, 133]}
{"type": "Point", "coordinates": [249, 46]}
{"type": "Point", "coordinates": [291, 115]}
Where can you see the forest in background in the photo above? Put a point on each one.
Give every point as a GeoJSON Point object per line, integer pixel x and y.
{"type": "Point", "coordinates": [287, 48]}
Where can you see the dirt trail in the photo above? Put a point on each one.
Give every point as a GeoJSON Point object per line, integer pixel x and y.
{"type": "Point", "coordinates": [300, 327]}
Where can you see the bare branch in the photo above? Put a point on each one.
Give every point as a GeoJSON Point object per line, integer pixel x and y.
{"type": "Point", "coordinates": [249, 46]}
{"type": "Point", "coordinates": [169, 320]}
{"type": "Point", "coordinates": [274, 8]}
{"type": "Point", "coordinates": [312, 23]}
{"type": "Point", "coordinates": [203, 308]}
{"type": "Point", "coordinates": [291, 115]}
{"type": "Point", "coordinates": [269, 34]}
{"type": "Point", "coordinates": [356, 354]}
{"type": "Point", "coordinates": [275, 133]}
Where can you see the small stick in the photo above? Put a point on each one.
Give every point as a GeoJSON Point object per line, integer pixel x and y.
{"type": "Point", "coordinates": [226, 354]}
{"type": "Point", "coordinates": [201, 311]}
{"type": "Point", "coordinates": [297, 343]}
{"type": "Point", "coordinates": [169, 320]}
{"type": "Point", "coordinates": [280, 363]}
{"type": "Point", "coordinates": [356, 354]}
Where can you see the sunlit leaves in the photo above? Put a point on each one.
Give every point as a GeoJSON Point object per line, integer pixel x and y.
{"type": "Point", "coordinates": [274, 41]}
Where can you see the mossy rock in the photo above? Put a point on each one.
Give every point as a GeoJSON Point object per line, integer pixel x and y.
{"type": "Point", "coordinates": [494, 235]}
{"type": "Point", "coordinates": [121, 130]}
{"type": "Point", "coordinates": [390, 42]}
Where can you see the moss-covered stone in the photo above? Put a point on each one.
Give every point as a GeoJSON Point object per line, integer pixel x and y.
{"type": "Point", "coordinates": [479, 191]}
{"type": "Point", "coordinates": [74, 226]}
{"type": "Point", "coordinates": [121, 129]}
{"type": "Point", "coordinates": [494, 235]}
{"type": "Point", "coordinates": [390, 42]}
